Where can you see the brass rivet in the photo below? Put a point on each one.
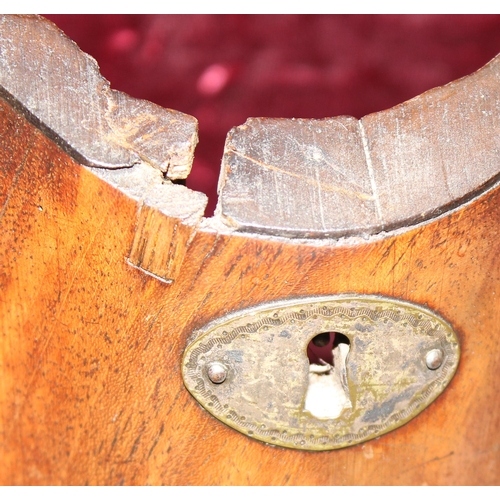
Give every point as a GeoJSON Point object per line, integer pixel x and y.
{"type": "Point", "coordinates": [434, 359]}
{"type": "Point", "coordinates": [217, 372]}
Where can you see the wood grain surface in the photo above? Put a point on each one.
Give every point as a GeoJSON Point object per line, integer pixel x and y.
{"type": "Point", "coordinates": [91, 345]}
{"type": "Point", "coordinates": [341, 176]}
{"type": "Point", "coordinates": [60, 89]}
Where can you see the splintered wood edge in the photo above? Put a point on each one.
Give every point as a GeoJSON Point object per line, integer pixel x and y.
{"type": "Point", "coordinates": [341, 177]}
{"type": "Point", "coordinates": [134, 145]}
{"type": "Point", "coordinates": [168, 217]}
{"type": "Point", "coordinates": [301, 179]}
{"type": "Point", "coordinates": [59, 88]}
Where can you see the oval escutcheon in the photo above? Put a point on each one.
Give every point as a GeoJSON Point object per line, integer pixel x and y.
{"type": "Point", "coordinates": [389, 360]}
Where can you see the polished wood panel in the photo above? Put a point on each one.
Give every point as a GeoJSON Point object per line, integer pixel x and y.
{"type": "Point", "coordinates": [91, 346]}
{"type": "Point", "coordinates": [101, 290]}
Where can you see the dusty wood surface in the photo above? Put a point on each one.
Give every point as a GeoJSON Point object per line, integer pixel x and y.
{"type": "Point", "coordinates": [90, 345]}
{"type": "Point", "coordinates": [61, 90]}
{"type": "Point", "coordinates": [342, 176]}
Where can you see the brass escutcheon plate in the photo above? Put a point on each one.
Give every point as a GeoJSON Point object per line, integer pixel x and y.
{"type": "Point", "coordinates": [388, 376]}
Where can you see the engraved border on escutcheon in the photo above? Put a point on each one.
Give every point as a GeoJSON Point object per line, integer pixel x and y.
{"type": "Point", "coordinates": [423, 322]}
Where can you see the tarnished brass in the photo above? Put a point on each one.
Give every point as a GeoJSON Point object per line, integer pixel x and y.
{"type": "Point", "coordinates": [272, 393]}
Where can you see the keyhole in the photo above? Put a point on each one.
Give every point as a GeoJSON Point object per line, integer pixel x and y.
{"type": "Point", "coordinates": [328, 391]}
{"type": "Point", "coordinates": [320, 349]}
